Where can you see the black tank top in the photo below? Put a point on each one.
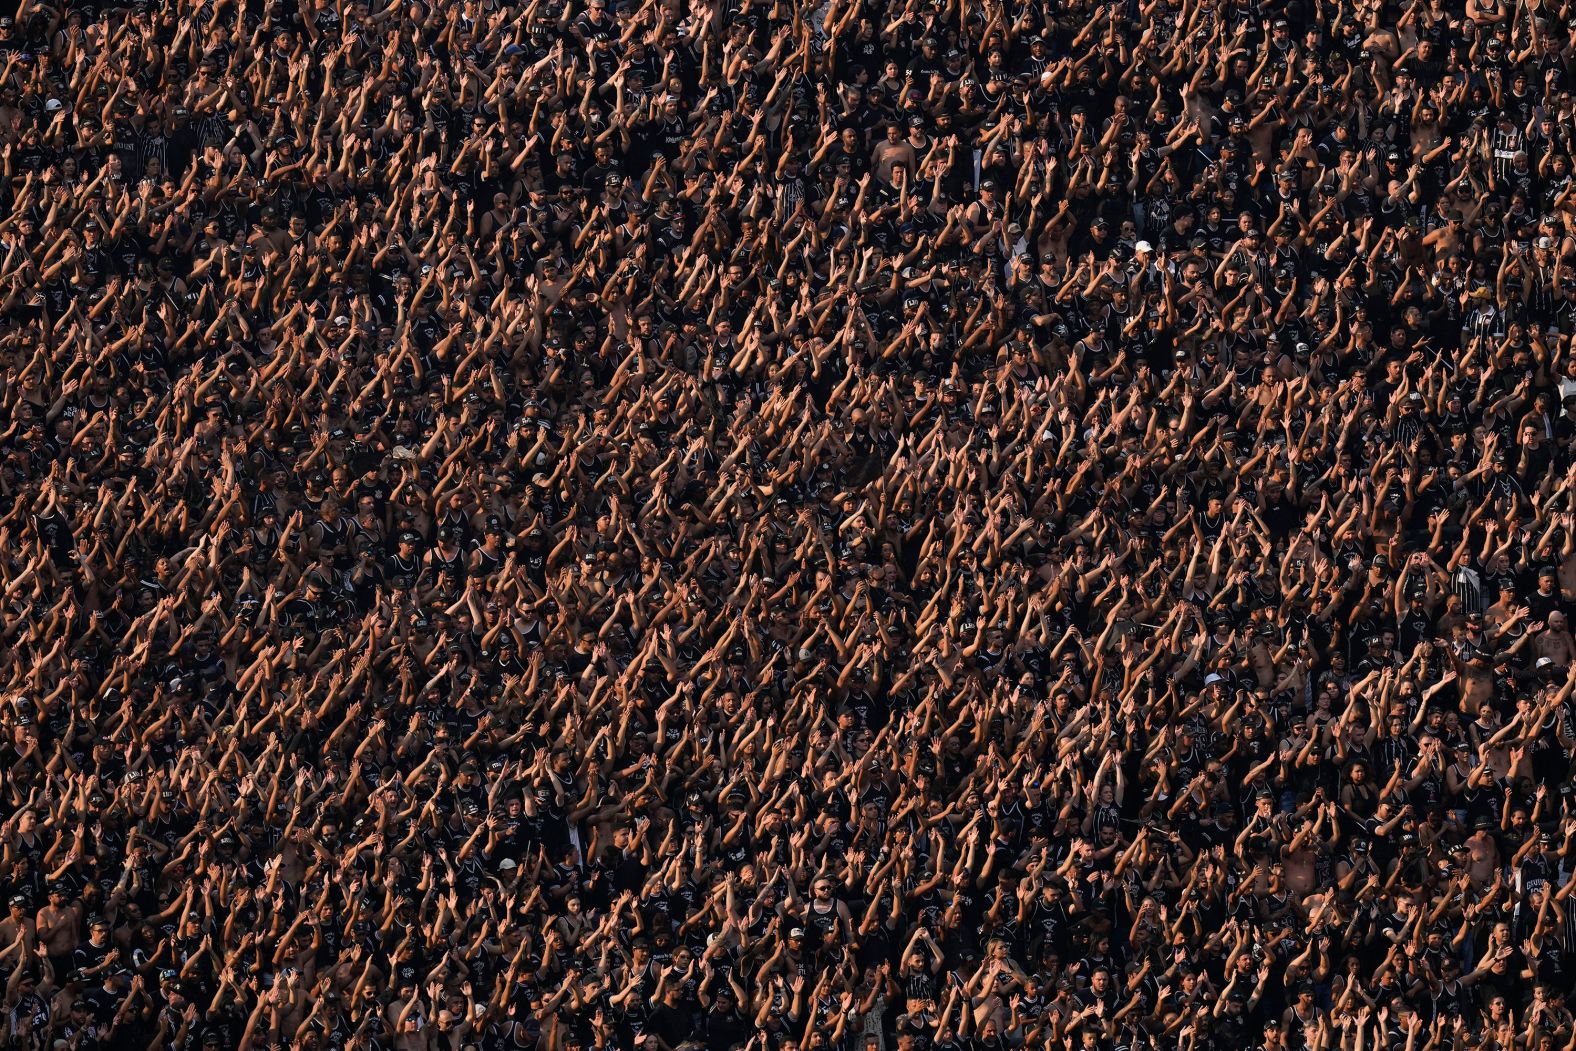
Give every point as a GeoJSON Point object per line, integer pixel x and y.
{"type": "Point", "coordinates": [333, 532]}
{"type": "Point", "coordinates": [486, 564]}
{"type": "Point", "coordinates": [454, 562]}
{"type": "Point", "coordinates": [822, 920]}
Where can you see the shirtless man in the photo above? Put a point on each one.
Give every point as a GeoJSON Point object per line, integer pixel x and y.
{"type": "Point", "coordinates": [1474, 671]}
{"type": "Point", "coordinates": [1301, 855]}
{"type": "Point", "coordinates": [1555, 641]}
{"type": "Point", "coordinates": [58, 926]}
{"type": "Point", "coordinates": [1260, 659]}
{"type": "Point", "coordinates": [11, 114]}
{"type": "Point", "coordinates": [17, 929]}
{"type": "Point", "coordinates": [1566, 570]}
{"type": "Point", "coordinates": [1484, 851]}
{"type": "Point", "coordinates": [270, 236]}
{"type": "Point", "coordinates": [1502, 614]}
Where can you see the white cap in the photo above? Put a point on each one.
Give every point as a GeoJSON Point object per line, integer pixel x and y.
{"type": "Point", "coordinates": [54, 106]}
{"type": "Point", "coordinates": [1143, 246]}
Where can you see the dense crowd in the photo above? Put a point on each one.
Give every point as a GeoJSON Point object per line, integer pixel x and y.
{"type": "Point", "coordinates": [893, 525]}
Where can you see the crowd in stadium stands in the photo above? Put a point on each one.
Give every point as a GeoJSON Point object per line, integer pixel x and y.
{"type": "Point", "coordinates": [884, 525]}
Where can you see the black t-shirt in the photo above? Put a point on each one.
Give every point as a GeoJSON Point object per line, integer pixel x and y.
{"type": "Point", "coordinates": [102, 1002]}
{"type": "Point", "coordinates": [88, 955]}
{"type": "Point", "coordinates": [1542, 605]}
{"type": "Point", "coordinates": [673, 1024]}
{"type": "Point", "coordinates": [725, 1030]}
